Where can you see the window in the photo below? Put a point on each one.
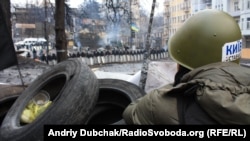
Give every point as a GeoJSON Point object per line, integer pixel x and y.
{"type": "Point", "coordinates": [248, 23]}
{"type": "Point", "coordinates": [242, 26]}
{"type": "Point", "coordinates": [248, 4]}
{"type": "Point", "coordinates": [236, 6]}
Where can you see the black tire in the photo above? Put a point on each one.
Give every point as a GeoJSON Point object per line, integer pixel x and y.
{"type": "Point", "coordinates": [8, 95]}
{"type": "Point", "coordinates": [114, 96]}
{"type": "Point", "coordinates": [5, 104]}
{"type": "Point", "coordinates": [73, 90]}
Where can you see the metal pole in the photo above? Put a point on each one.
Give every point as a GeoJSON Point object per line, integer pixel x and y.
{"type": "Point", "coordinates": [144, 70]}
{"type": "Point", "coordinates": [130, 23]}
{"type": "Point", "coordinates": [45, 30]}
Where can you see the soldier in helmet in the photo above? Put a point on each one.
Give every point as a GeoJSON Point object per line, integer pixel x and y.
{"type": "Point", "coordinates": [210, 86]}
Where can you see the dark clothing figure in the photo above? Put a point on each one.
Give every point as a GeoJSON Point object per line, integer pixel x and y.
{"type": "Point", "coordinates": [34, 54]}
{"type": "Point", "coordinates": [28, 55]}
{"type": "Point", "coordinates": [195, 97]}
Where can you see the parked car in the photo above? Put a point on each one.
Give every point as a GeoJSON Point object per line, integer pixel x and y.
{"type": "Point", "coordinates": [19, 44]}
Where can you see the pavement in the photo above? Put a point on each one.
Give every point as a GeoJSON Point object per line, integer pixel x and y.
{"type": "Point", "coordinates": [30, 69]}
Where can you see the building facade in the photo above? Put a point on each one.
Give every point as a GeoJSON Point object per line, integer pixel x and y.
{"type": "Point", "coordinates": [177, 11]}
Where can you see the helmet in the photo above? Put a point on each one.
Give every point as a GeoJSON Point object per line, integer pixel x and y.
{"type": "Point", "coordinates": [207, 37]}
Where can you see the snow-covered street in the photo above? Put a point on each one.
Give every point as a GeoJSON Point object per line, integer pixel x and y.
{"type": "Point", "coordinates": [160, 72]}
{"type": "Point", "coordinates": [31, 69]}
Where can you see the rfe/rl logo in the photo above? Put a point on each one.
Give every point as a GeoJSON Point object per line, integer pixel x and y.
{"type": "Point", "coordinates": [231, 51]}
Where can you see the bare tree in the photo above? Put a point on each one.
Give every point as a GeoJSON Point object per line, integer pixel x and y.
{"type": "Point", "coordinates": [90, 9]}
{"type": "Point", "coordinates": [61, 43]}
{"type": "Point", "coordinates": [119, 18]}
{"type": "Point", "coordinates": [116, 11]}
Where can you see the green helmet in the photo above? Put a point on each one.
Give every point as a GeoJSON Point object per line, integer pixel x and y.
{"type": "Point", "coordinates": [207, 37]}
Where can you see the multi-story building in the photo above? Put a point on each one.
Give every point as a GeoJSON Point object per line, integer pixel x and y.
{"type": "Point", "coordinates": [239, 9]}
{"type": "Point", "coordinates": [177, 11]}
{"type": "Point", "coordinates": [198, 5]}
{"type": "Point", "coordinates": [29, 21]}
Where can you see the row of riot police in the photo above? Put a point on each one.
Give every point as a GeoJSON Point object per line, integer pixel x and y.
{"type": "Point", "coordinates": [97, 57]}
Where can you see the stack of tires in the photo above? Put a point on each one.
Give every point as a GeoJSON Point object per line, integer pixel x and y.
{"type": "Point", "coordinates": [77, 95]}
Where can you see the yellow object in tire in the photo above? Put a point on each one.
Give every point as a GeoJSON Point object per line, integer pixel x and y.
{"type": "Point", "coordinates": [32, 111]}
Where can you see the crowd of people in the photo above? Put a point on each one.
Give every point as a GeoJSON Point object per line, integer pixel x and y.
{"type": "Point", "coordinates": [98, 57]}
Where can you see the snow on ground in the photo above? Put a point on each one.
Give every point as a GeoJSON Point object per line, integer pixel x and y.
{"type": "Point", "coordinates": [160, 72]}
{"type": "Point", "coordinates": [125, 68]}
{"type": "Point", "coordinates": [29, 70]}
